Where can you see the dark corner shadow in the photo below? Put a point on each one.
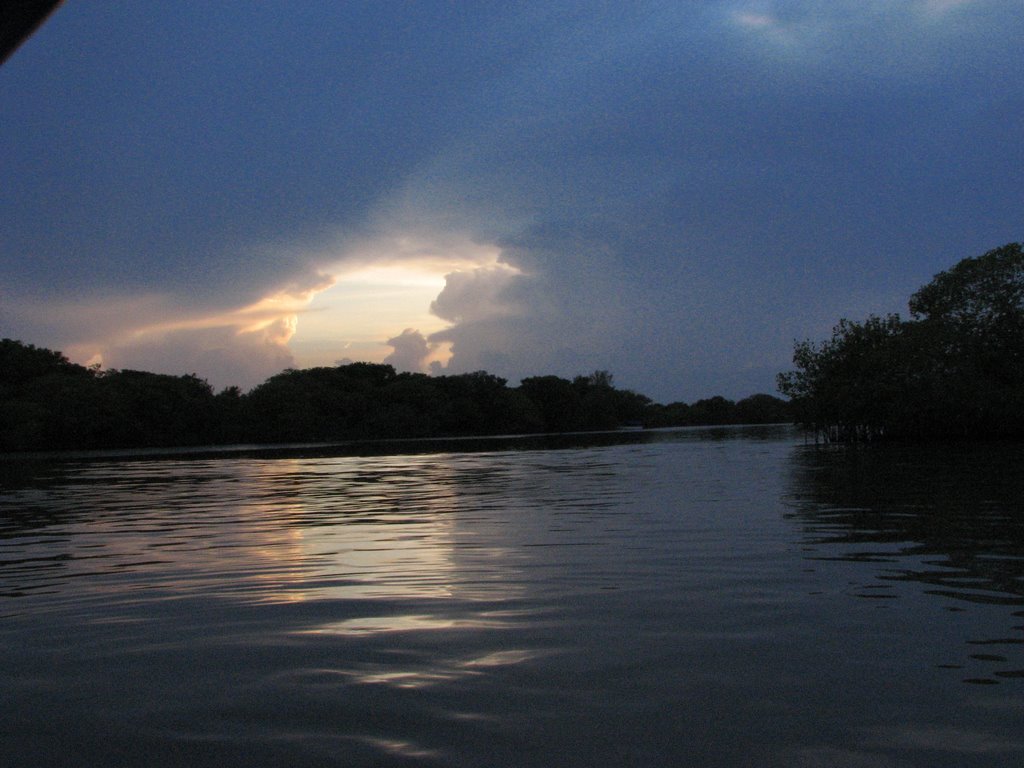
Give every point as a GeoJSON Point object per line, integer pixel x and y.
{"type": "Point", "coordinates": [20, 19]}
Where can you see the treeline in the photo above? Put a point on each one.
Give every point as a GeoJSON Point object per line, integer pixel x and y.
{"type": "Point", "coordinates": [50, 403]}
{"type": "Point", "coordinates": [955, 370]}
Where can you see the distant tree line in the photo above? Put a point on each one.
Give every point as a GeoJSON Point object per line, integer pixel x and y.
{"type": "Point", "coordinates": [50, 403]}
{"type": "Point", "coordinates": [955, 370]}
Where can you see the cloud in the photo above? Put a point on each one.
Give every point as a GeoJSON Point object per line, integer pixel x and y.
{"type": "Point", "coordinates": [771, 27]}
{"type": "Point", "coordinates": [680, 213]}
{"type": "Point", "coordinates": [222, 355]}
{"type": "Point", "coordinates": [240, 346]}
{"type": "Point", "coordinates": [904, 41]}
{"type": "Point", "coordinates": [557, 303]}
{"type": "Point", "coordinates": [480, 294]}
{"type": "Point", "coordinates": [411, 351]}
{"type": "Point", "coordinates": [673, 192]}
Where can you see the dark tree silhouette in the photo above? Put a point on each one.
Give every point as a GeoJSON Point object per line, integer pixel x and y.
{"type": "Point", "coordinates": [955, 370]}
{"type": "Point", "coordinates": [49, 403]}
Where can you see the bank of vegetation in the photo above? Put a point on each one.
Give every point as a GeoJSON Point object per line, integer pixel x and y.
{"type": "Point", "coordinates": [50, 403]}
{"type": "Point", "coordinates": [955, 370]}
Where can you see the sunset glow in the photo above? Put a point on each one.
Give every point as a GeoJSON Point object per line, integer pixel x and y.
{"type": "Point", "coordinates": [673, 192]}
{"type": "Point", "coordinates": [382, 289]}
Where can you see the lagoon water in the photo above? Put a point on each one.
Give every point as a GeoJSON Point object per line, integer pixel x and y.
{"type": "Point", "coordinates": [701, 597]}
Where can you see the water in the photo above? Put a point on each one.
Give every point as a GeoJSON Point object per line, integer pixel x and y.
{"type": "Point", "coordinates": [698, 597]}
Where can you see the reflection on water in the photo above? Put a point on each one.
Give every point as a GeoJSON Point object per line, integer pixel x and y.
{"type": "Point", "coordinates": [696, 597]}
{"type": "Point", "coordinates": [947, 518]}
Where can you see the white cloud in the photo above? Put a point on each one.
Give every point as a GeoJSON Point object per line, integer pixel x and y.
{"type": "Point", "coordinates": [411, 351]}
{"type": "Point", "coordinates": [898, 39]}
{"type": "Point", "coordinates": [769, 26]}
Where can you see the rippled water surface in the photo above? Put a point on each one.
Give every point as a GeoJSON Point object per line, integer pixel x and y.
{"type": "Point", "coordinates": [699, 597]}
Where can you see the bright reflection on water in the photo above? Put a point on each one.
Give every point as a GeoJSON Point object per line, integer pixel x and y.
{"type": "Point", "coordinates": [700, 597]}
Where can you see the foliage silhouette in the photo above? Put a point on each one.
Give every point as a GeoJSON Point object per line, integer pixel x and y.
{"type": "Point", "coordinates": [50, 403]}
{"type": "Point", "coordinates": [956, 370]}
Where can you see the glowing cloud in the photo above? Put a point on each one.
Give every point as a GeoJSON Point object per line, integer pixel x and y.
{"type": "Point", "coordinates": [240, 347]}
{"type": "Point", "coordinates": [390, 281]}
{"type": "Point", "coordinates": [684, 187]}
{"type": "Point", "coordinates": [349, 307]}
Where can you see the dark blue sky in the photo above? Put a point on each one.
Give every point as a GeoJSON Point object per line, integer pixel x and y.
{"type": "Point", "coordinates": [670, 191]}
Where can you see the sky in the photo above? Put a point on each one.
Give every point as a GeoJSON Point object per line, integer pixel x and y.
{"type": "Point", "coordinates": [674, 192]}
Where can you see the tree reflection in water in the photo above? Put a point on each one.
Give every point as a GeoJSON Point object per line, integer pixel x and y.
{"type": "Point", "coordinates": [949, 517]}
